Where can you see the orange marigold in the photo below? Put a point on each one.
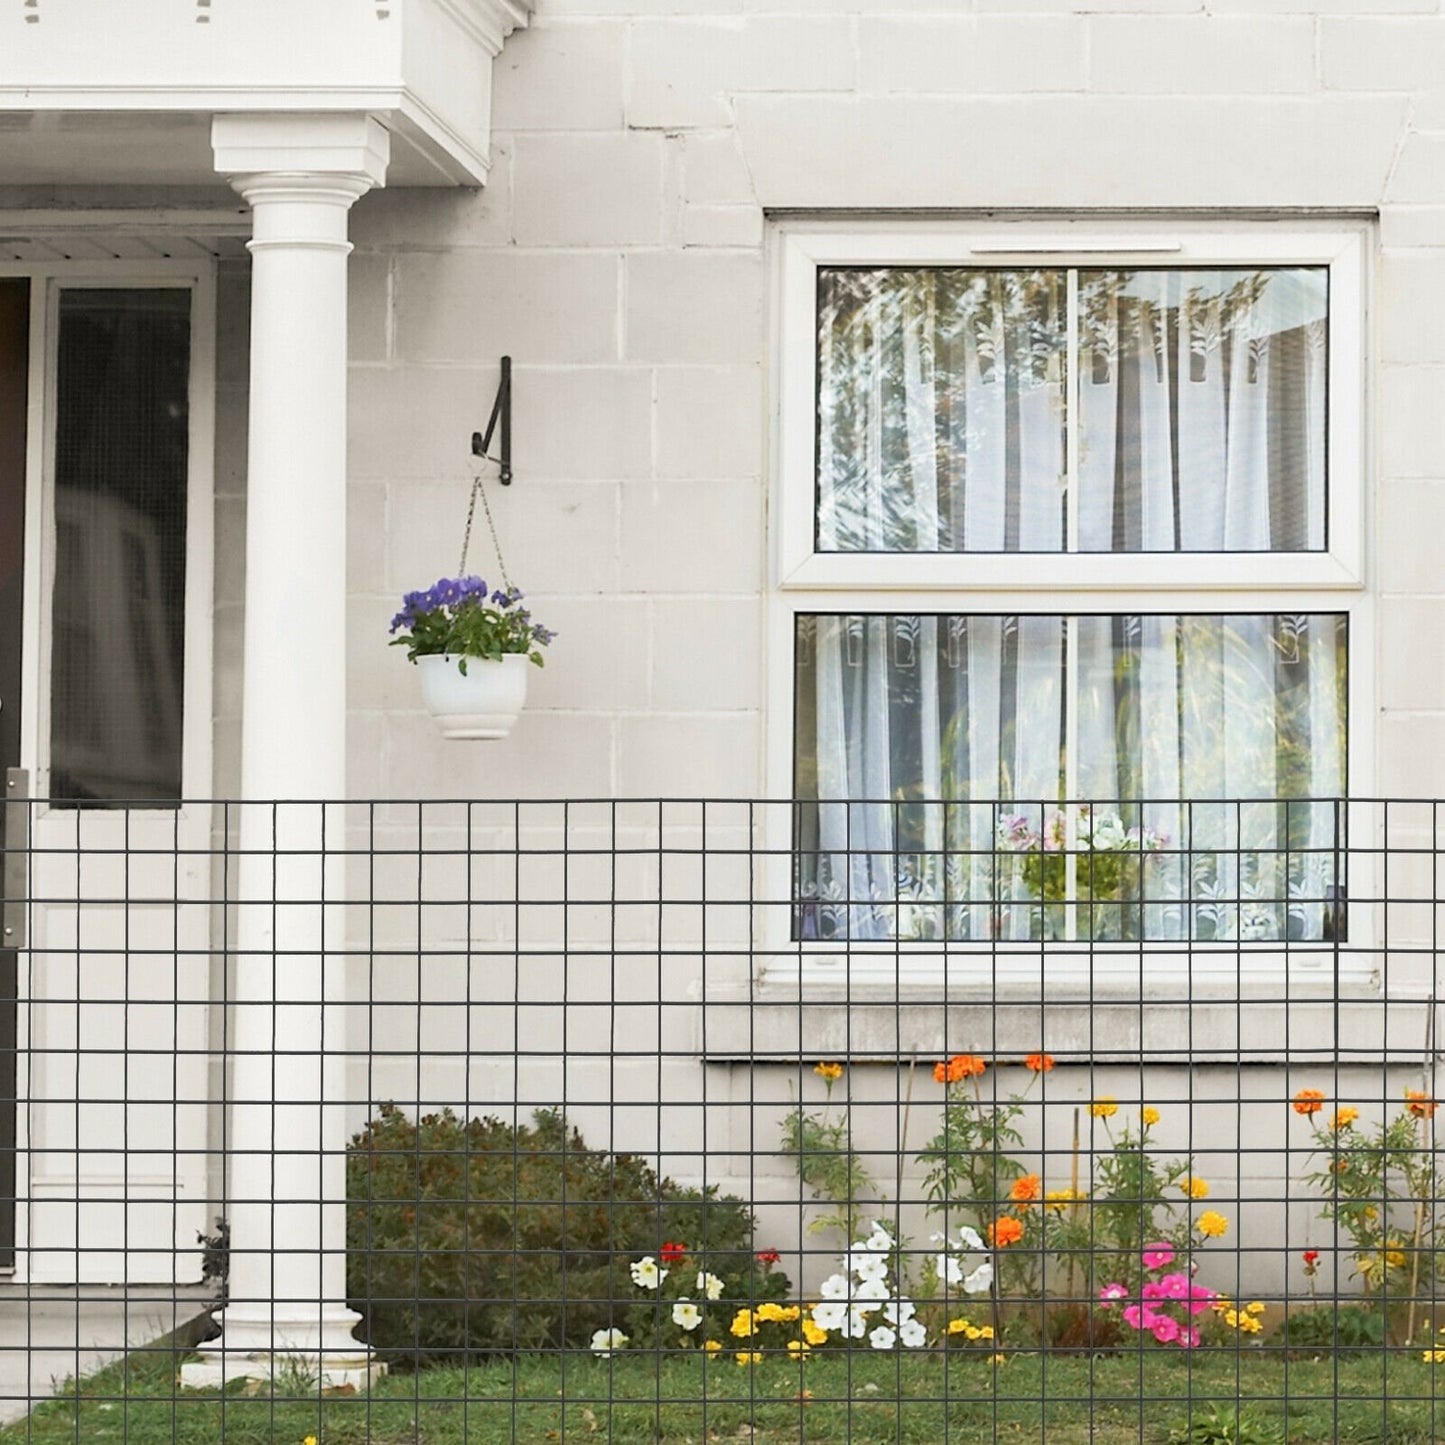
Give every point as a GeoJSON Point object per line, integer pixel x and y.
{"type": "Point", "coordinates": [960, 1066]}
{"type": "Point", "coordinates": [1420, 1104]}
{"type": "Point", "coordinates": [1025, 1189]}
{"type": "Point", "coordinates": [1006, 1230]}
{"type": "Point", "coordinates": [1309, 1101]}
{"type": "Point", "coordinates": [1039, 1063]}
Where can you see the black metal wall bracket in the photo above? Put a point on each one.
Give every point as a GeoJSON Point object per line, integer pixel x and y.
{"type": "Point", "coordinates": [501, 411]}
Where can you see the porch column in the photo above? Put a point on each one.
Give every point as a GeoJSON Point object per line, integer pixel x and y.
{"type": "Point", "coordinates": [286, 1134]}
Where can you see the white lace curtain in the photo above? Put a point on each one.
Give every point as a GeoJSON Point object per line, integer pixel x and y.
{"type": "Point", "coordinates": [918, 736]}
{"type": "Point", "coordinates": [942, 416]}
{"type": "Point", "coordinates": [942, 393]}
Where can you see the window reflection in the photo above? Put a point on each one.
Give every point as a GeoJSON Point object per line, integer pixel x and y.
{"type": "Point", "coordinates": [121, 450]}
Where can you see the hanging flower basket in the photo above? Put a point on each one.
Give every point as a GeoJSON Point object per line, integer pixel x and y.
{"type": "Point", "coordinates": [473, 649]}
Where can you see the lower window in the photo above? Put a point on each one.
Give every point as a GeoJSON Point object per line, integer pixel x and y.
{"type": "Point", "coordinates": [937, 757]}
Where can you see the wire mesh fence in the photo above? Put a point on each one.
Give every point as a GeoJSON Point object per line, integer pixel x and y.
{"type": "Point", "coordinates": [693, 1120]}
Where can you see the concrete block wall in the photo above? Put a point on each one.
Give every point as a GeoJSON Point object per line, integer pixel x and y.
{"type": "Point", "coordinates": [618, 256]}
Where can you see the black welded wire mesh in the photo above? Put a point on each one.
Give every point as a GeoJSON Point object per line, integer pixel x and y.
{"type": "Point", "coordinates": [503, 1078]}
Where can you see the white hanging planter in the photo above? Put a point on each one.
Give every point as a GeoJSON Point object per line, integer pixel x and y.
{"type": "Point", "coordinates": [483, 703]}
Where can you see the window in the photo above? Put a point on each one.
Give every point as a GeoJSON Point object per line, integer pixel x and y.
{"type": "Point", "coordinates": [121, 478]}
{"type": "Point", "coordinates": [1069, 582]}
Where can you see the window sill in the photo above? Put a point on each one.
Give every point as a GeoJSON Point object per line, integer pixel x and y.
{"type": "Point", "coordinates": [1156, 1005]}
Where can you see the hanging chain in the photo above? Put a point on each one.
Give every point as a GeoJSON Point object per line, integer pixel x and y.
{"type": "Point", "coordinates": [479, 490]}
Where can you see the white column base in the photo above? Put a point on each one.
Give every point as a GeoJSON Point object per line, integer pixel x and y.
{"type": "Point", "coordinates": [310, 1352]}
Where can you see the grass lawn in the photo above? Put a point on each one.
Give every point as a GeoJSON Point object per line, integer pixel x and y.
{"type": "Point", "coordinates": [854, 1397]}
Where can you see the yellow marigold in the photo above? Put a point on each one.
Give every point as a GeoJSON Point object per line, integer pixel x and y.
{"type": "Point", "coordinates": [1150, 1115]}
{"type": "Point", "coordinates": [814, 1334]}
{"type": "Point", "coordinates": [1254, 1307]}
{"type": "Point", "coordinates": [957, 1327]}
{"type": "Point", "coordinates": [1004, 1231]}
{"type": "Point", "coordinates": [1025, 1189]}
{"type": "Point", "coordinates": [1394, 1255]}
{"type": "Point", "coordinates": [712, 1346]}
{"type": "Point", "coordinates": [1211, 1224]}
{"type": "Point", "coordinates": [1104, 1107]}
{"type": "Point", "coordinates": [828, 1071]}
{"type": "Point", "coordinates": [799, 1348]}
{"type": "Point", "coordinates": [770, 1313]}
{"type": "Point", "coordinates": [1194, 1187]}
{"type": "Point", "coordinates": [1039, 1063]}
{"type": "Point", "coordinates": [973, 1332]}
{"type": "Point", "coordinates": [1309, 1101]}
{"type": "Point", "coordinates": [742, 1325]}
{"type": "Point", "coordinates": [749, 1357]}
{"type": "Point", "coordinates": [309, 1440]}
{"type": "Point", "coordinates": [1420, 1104]}
{"type": "Point", "coordinates": [1434, 1357]}
{"type": "Point", "coordinates": [1058, 1200]}
{"type": "Point", "coordinates": [1343, 1118]}
{"type": "Point", "coordinates": [985, 1332]}
{"type": "Point", "coordinates": [995, 1359]}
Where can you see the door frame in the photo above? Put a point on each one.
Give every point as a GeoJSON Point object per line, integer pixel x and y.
{"type": "Point", "coordinates": [191, 824]}
{"type": "Point", "coordinates": [47, 278]}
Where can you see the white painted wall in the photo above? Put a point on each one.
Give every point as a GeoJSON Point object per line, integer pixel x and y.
{"type": "Point", "coordinates": [618, 255]}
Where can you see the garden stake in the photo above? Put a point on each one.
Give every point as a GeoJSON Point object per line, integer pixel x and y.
{"type": "Point", "coordinates": [1427, 1083]}
{"type": "Point", "coordinates": [1073, 1195]}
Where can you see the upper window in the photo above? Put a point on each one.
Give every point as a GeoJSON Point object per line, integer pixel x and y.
{"type": "Point", "coordinates": [944, 423]}
{"type": "Point", "coordinates": [1117, 482]}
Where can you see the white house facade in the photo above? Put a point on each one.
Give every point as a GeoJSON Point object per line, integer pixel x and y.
{"type": "Point", "coordinates": [845, 335]}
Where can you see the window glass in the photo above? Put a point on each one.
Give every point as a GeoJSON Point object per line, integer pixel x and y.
{"type": "Point", "coordinates": [121, 448]}
{"type": "Point", "coordinates": [943, 409]}
{"type": "Point", "coordinates": [933, 755]}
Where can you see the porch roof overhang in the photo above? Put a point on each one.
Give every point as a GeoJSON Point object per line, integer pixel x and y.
{"type": "Point", "coordinates": [125, 94]}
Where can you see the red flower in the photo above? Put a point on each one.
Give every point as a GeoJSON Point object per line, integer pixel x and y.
{"type": "Point", "coordinates": [1311, 1256]}
{"type": "Point", "coordinates": [672, 1253]}
{"type": "Point", "coordinates": [768, 1257]}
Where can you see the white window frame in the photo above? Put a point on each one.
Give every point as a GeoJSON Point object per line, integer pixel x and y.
{"type": "Point", "coordinates": [803, 580]}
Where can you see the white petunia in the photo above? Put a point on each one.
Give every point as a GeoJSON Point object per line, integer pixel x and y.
{"type": "Point", "coordinates": [830, 1317]}
{"type": "Point", "coordinates": [710, 1285]}
{"type": "Point", "coordinates": [868, 1266]}
{"type": "Point", "coordinates": [969, 1237]}
{"type": "Point", "coordinates": [882, 1338]}
{"type": "Point", "coordinates": [857, 1324]}
{"type": "Point", "coordinates": [899, 1311]}
{"type": "Point", "coordinates": [836, 1286]}
{"type": "Point", "coordinates": [646, 1274]}
{"type": "Point", "coordinates": [980, 1279]}
{"type": "Point", "coordinates": [871, 1289]}
{"type": "Point", "coordinates": [686, 1314]}
{"type": "Point", "coordinates": [950, 1271]}
{"type": "Point", "coordinates": [880, 1239]}
{"type": "Point", "coordinates": [912, 1333]}
{"type": "Point", "coordinates": [605, 1341]}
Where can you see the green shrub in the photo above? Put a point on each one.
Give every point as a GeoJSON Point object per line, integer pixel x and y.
{"type": "Point", "coordinates": [478, 1237]}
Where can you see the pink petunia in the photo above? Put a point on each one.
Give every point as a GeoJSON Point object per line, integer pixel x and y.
{"type": "Point", "coordinates": [1139, 1317]}
{"type": "Point", "coordinates": [1156, 1256]}
{"type": "Point", "coordinates": [1110, 1293]}
{"type": "Point", "coordinates": [1174, 1286]}
{"type": "Point", "coordinates": [1166, 1329]}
